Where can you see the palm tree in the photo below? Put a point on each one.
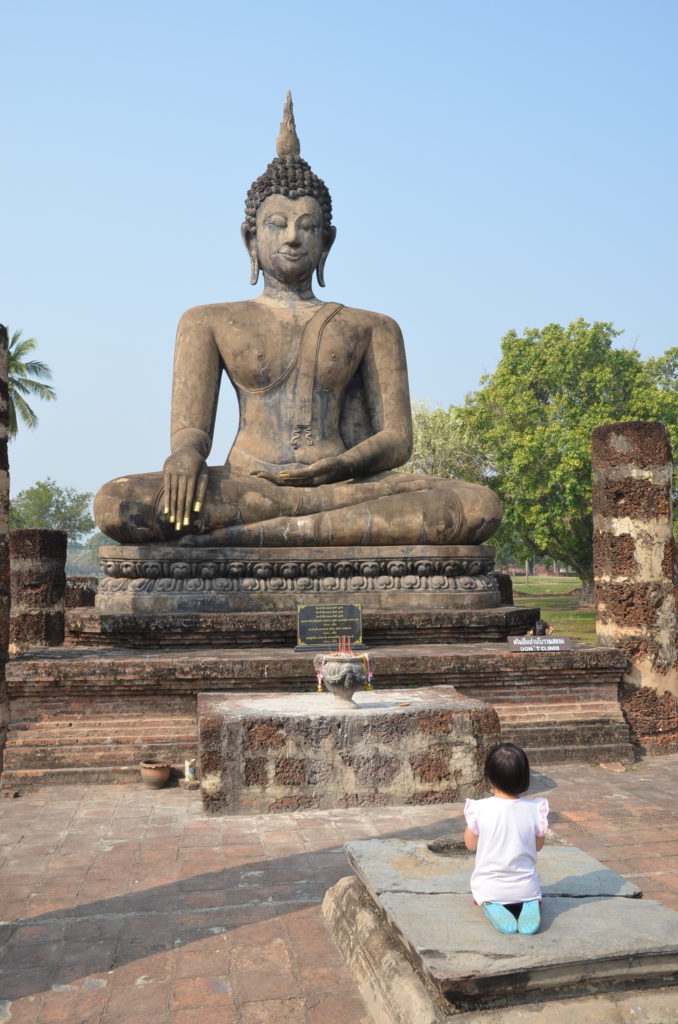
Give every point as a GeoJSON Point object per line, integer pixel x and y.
{"type": "Point", "coordinates": [25, 378]}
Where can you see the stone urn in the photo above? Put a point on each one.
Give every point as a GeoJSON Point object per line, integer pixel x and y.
{"type": "Point", "coordinates": [343, 674]}
{"type": "Point", "coordinates": [155, 774]}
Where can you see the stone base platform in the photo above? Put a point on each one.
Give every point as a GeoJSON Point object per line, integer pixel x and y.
{"type": "Point", "coordinates": [266, 752]}
{"type": "Point", "coordinates": [160, 578]}
{"type": "Point", "coordinates": [92, 627]}
{"type": "Point", "coordinates": [421, 951]}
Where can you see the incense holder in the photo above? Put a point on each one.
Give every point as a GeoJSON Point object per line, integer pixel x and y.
{"type": "Point", "coordinates": [343, 674]}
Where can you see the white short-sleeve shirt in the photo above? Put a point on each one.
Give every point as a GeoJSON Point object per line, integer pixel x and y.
{"type": "Point", "coordinates": [506, 858]}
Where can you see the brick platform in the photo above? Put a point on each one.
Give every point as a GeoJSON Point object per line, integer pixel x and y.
{"type": "Point", "coordinates": [561, 706]}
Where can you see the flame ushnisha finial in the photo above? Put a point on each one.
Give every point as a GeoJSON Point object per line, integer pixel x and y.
{"type": "Point", "coordinates": [287, 143]}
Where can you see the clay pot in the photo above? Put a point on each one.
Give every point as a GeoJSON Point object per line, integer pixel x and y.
{"type": "Point", "coordinates": [155, 774]}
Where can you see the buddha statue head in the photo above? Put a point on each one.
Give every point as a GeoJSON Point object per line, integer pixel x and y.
{"type": "Point", "coordinates": [290, 176]}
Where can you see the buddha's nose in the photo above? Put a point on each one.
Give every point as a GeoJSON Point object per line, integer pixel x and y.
{"type": "Point", "coordinates": [292, 235]}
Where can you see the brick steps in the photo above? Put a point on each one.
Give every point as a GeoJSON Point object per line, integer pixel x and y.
{"type": "Point", "coordinates": [99, 758]}
{"type": "Point", "coordinates": [107, 751]}
{"type": "Point", "coordinates": [30, 778]}
{"type": "Point", "coordinates": [93, 715]}
{"type": "Point", "coordinates": [523, 695]}
{"type": "Point", "coordinates": [596, 753]}
{"type": "Point", "coordinates": [557, 721]}
{"type": "Point", "coordinates": [61, 739]}
{"type": "Point", "coordinates": [567, 734]}
{"type": "Point", "coordinates": [47, 732]}
{"type": "Point", "coordinates": [575, 712]}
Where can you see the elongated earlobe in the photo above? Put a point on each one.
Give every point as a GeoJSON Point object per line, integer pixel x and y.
{"type": "Point", "coordinates": [250, 244]}
{"type": "Point", "coordinates": [320, 269]}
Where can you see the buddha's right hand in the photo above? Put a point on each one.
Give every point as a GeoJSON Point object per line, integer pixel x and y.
{"type": "Point", "coordinates": [185, 483]}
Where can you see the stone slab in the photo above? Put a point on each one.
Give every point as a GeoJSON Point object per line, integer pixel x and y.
{"type": "Point", "coordinates": [400, 865]}
{"type": "Point", "coordinates": [262, 753]}
{"type": "Point", "coordinates": [397, 991]}
{"type": "Point", "coordinates": [594, 932]}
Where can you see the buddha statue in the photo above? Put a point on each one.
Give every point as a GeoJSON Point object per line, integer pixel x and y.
{"type": "Point", "coordinates": [324, 408]}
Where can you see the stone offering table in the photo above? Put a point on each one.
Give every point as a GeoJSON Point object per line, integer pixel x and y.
{"type": "Point", "coordinates": [421, 951]}
{"type": "Point", "coordinates": [263, 753]}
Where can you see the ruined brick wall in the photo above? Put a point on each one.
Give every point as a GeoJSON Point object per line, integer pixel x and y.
{"type": "Point", "coordinates": [4, 541]}
{"type": "Point", "coordinates": [80, 591]}
{"type": "Point", "coordinates": [634, 570]}
{"type": "Point", "coordinates": [38, 581]}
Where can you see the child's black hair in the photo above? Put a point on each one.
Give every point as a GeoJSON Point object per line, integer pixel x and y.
{"type": "Point", "coordinates": [508, 769]}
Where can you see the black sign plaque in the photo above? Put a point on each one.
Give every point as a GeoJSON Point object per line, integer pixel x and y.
{"type": "Point", "coordinates": [320, 626]}
{"type": "Point", "coordinates": [540, 644]}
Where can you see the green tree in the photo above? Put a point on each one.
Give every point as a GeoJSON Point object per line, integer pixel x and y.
{"type": "Point", "coordinates": [46, 506]}
{"type": "Point", "coordinates": [25, 378]}
{"type": "Point", "coordinates": [535, 414]}
{"type": "Point", "coordinates": [443, 446]}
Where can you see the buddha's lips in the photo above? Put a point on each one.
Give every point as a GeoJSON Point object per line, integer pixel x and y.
{"type": "Point", "coordinates": [291, 255]}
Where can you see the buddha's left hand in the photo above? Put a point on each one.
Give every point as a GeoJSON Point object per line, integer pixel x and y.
{"type": "Point", "coordinates": [324, 471]}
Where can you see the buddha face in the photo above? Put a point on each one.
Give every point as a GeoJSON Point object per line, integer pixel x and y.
{"type": "Point", "coordinates": [289, 242]}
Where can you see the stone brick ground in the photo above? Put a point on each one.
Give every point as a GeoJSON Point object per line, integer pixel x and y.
{"type": "Point", "coordinates": [122, 904]}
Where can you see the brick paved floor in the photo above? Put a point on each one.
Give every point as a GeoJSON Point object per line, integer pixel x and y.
{"type": "Point", "coordinates": [122, 904]}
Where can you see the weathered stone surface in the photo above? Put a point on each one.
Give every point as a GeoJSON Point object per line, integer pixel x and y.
{"type": "Point", "coordinates": [591, 940]}
{"type": "Point", "coordinates": [38, 580]}
{"type": "Point", "coordinates": [637, 605]}
{"type": "Point", "coordinates": [641, 443]}
{"type": "Point", "coordinates": [333, 756]}
{"type": "Point", "coordinates": [634, 568]}
{"type": "Point", "coordinates": [615, 554]}
{"type": "Point", "coordinates": [443, 957]}
{"type": "Point", "coordinates": [641, 499]}
{"type": "Point", "coordinates": [324, 410]}
{"type": "Point", "coordinates": [654, 716]}
{"type": "Point", "coordinates": [38, 547]}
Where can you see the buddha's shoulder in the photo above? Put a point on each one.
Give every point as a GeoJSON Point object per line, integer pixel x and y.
{"type": "Point", "coordinates": [366, 315]}
{"type": "Point", "coordinates": [216, 312]}
{"type": "Point", "coordinates": [368, 318]}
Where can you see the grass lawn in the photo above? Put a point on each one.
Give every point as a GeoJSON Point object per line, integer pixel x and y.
{"type": "Point", "coordinates": [553, 594]}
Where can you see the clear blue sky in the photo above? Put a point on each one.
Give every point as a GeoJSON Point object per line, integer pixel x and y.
{"type": "Point", "coordinates": [494, 164]}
